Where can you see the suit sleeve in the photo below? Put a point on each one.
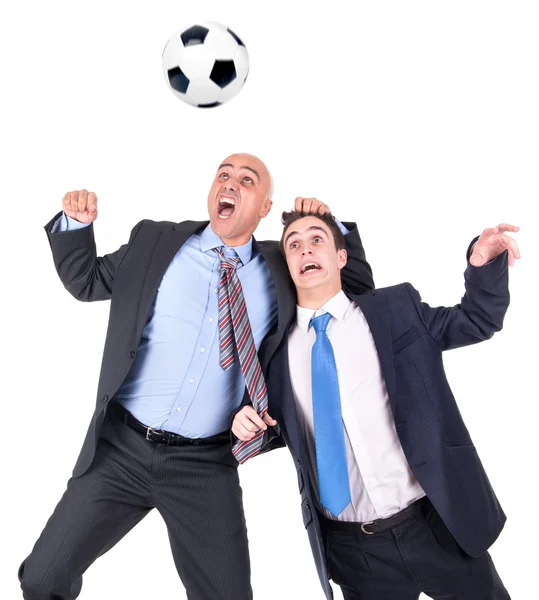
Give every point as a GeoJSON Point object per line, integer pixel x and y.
{"type": "Point", "coordinates": [357, 274]}
{"type": "Point", "coordinates": [86, 276]}
{"type": "Point", "coordinates": [481, 311]}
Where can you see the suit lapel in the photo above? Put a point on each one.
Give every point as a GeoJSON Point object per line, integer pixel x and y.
{"type": "Point", "coordinates": [167, 243]}
{"type": "Point", "coordinates": [286, 301]}
{"type": "Point", "coordinates": [376, 311]}
{"type": "Point", "coordinates": [287, 405]}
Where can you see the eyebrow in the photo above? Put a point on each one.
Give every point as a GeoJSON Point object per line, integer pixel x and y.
{"type": "Point", "coordinates": [313, 227]}
{"type": "Point", "coordinates": [242, 167]}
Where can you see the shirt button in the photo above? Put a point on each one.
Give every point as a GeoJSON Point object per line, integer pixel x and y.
{"type": "Point", "coordinates": [105, 399]}
{"type": "Point", "coordinates": [132, 354]}
{"type": "Point", "coordinates": [216, 290]}
{"type": "Point", "coordinates": [179, 409]}
{"type": "Point", "coordinates": [191, 380]}
{"type": "Point", "coordinates": [203, 349]}
{"type": "Point", "coordinates": [211, 319]}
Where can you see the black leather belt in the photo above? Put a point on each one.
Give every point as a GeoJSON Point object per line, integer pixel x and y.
{"type": "Point", "coordinates": [159, 436]}
{"type": "Point", "coordinates": [377, 526]}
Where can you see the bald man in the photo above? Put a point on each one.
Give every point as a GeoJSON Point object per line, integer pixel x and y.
{"type": "Point", "coordinates": [197, 311]}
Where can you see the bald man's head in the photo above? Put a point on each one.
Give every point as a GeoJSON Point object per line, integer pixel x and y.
{"type": "Point", "coordinates": [239, 197]}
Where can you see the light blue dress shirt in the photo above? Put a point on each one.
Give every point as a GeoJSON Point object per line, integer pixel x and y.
{"type": "Point", "coordinates": [176, 382]}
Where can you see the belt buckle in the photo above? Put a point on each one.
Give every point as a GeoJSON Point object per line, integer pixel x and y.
{"type": "Point", "coordinates": [364, 530]}
{"type": "Point", "coordinates": [148, 431]}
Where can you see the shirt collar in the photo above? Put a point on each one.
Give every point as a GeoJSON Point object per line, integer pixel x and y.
{"type": "Point", "coordinates": [336, 306]}
{"type": "Point", "coordinates": [209, 240]}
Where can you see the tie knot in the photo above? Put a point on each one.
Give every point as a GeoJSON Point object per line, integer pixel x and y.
{"type": "Point", "coordinates": [320, 323]}
{"type": "Point", "coordinates": [228, 263]}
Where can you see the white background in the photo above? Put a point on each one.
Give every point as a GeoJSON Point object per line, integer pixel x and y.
{"type": "Point", "coordinates": [417, 120]}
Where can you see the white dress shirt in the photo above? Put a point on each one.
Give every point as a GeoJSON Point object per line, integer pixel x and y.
{"type": "Point", "coordinates": [381, 481]}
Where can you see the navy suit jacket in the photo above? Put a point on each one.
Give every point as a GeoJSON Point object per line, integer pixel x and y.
{"type": "Point", "coordinates": [410, 337]}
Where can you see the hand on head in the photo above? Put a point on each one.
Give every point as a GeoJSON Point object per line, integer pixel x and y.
{"type": "Point", "coordinates": [311, 205]}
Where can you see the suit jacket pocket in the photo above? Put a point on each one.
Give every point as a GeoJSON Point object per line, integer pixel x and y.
{"type": "Point", "coordinates": [407, 338]}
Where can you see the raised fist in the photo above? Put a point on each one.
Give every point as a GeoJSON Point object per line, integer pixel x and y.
{"type": "Point", "coordinates": [81, 206]}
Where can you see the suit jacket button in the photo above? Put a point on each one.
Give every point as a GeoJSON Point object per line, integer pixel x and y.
{"type": "Point", "coordinates": [105, 399]}
{"type": "Point", "coordinates": [132, 354]}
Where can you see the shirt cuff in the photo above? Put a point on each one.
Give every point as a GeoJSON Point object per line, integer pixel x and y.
{"type": "Point", "coordinates": [341, 227]}
{"type": "Point", "coordinates": [65, 223]}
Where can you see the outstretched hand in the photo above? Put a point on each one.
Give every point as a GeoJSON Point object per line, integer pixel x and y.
{"type": "Point", "coordinates": [493, 242]}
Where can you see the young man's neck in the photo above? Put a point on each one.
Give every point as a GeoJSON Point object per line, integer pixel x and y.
{"type": "Point", "coordinates": [316, 298]}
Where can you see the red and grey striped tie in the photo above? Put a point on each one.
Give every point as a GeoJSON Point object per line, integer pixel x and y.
{"type": "Point", "coordinates": [235, 333]}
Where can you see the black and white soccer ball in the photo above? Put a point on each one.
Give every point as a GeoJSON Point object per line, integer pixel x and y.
{"type": "Point", "coordinates": [205, 64]}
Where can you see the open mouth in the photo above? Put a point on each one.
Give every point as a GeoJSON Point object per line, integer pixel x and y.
{"type": "Point", "coordinates": [226, 207]}
{"type": "Point", "coordinates": [310, 267]}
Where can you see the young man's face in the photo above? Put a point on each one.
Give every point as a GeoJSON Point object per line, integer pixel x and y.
{"type": "Point", "coordinates": [311, 256]}
{"type": "Point", "coordinates": [238, 198]}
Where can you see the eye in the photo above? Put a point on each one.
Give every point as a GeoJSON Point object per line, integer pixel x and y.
{"type": "Point", "coordinates": [223, 176]}
{"type": "Point", "coordinates": [293, 245]}
{"type": "Point", "coordinates": [318, 239]}
{"type": "Point", "coordinates": [248, 179]}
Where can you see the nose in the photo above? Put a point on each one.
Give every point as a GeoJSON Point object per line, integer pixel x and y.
{"type": "Point", "coordinates": [306, 251]}
{"type": "Point", "coordinates": [230, 185]}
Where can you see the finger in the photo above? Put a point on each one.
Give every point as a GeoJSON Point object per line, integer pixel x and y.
{"type": "Point", "coordinates": [250, 419]}
{"type": "Point", "coordinates": [323, 209]}
{"type": "Point", "coordinates": [513, 246]}
{"type": "Point", "coordinates": [510, 258]}
{"type": "Point", "coordinates": [83, 200]}
{"type": "Point", "coordinates": [269, 420]}
{"type": "Point", "coordinates": [488, 233]}
{"type": "Point", "coordinates": [248, 425]}
{"type": "Point", "coordinates": [240, 433]}
{"type": "Point", "coordinates": [66, 201]}
{"type": "Point", "coordinates": [308, 205]}
{"type": "Point", "coordinates": [70, 202]}
{"type": "Point", "coordinates": [255, 422]}
{"type": "Point", "coordinates": [92, 202]}
{"type": "Point", "coordinates": [477, 259]}
{"type": "Point", "coordinates": [502, 227]}
{"type": "Point", "coordinates": [245, 433]}
{"type": "Point", "coordinates": [298, 204]}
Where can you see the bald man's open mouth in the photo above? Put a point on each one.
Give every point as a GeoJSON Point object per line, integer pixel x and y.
{"type": "Point", "coordinates": [226, 207]}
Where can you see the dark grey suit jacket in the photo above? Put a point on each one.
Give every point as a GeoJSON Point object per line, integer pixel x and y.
{"type": "Point", "coordinates": [130, 277]}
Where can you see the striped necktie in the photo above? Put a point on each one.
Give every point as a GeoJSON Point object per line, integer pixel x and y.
{"type": "Point", "coordinates": [235, 334]}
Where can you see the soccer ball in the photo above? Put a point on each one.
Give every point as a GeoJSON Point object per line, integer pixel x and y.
{"type": "Point", "coordinates": [205, 64]}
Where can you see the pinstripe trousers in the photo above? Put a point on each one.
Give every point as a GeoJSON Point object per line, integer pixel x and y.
{"type": "Point", "coordinates": [195, 489]}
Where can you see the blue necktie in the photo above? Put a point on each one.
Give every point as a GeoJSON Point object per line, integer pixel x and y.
{"type": "Point", "coordinates": [333, 483]}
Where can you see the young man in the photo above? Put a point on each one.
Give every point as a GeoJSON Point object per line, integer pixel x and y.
{"type": "Point", "coordinates": [160, 433]}
{"type": "Point", "coordinates": [394, 497]}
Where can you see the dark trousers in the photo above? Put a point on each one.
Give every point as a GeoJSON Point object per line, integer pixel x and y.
{"type": "Point", "coordinates": [195, 489]}
{"type": "Point", "coordinates": [417, 556]}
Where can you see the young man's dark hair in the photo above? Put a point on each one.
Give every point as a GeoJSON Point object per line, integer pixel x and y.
{"type": "Point", "coordinates": [289, 217]}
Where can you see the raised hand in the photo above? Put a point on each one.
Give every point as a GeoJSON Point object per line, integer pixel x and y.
{"type": "Point", "coordinates": [81, 206]}
{"type": "Point", "coordinates": [247, 423]}
{"type": "Point", "coordinates": [492, 242]}
{"type": "Point", "coordinates": [311, 205]}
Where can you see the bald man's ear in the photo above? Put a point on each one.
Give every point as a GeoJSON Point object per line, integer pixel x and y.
{"type": "Point", "coordinates": [342, 258]}
{"type": "Point", "coordinates": [266, 207]}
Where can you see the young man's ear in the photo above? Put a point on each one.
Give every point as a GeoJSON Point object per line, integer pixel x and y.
{"type": "Point", "coordinates": [342, 257]}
